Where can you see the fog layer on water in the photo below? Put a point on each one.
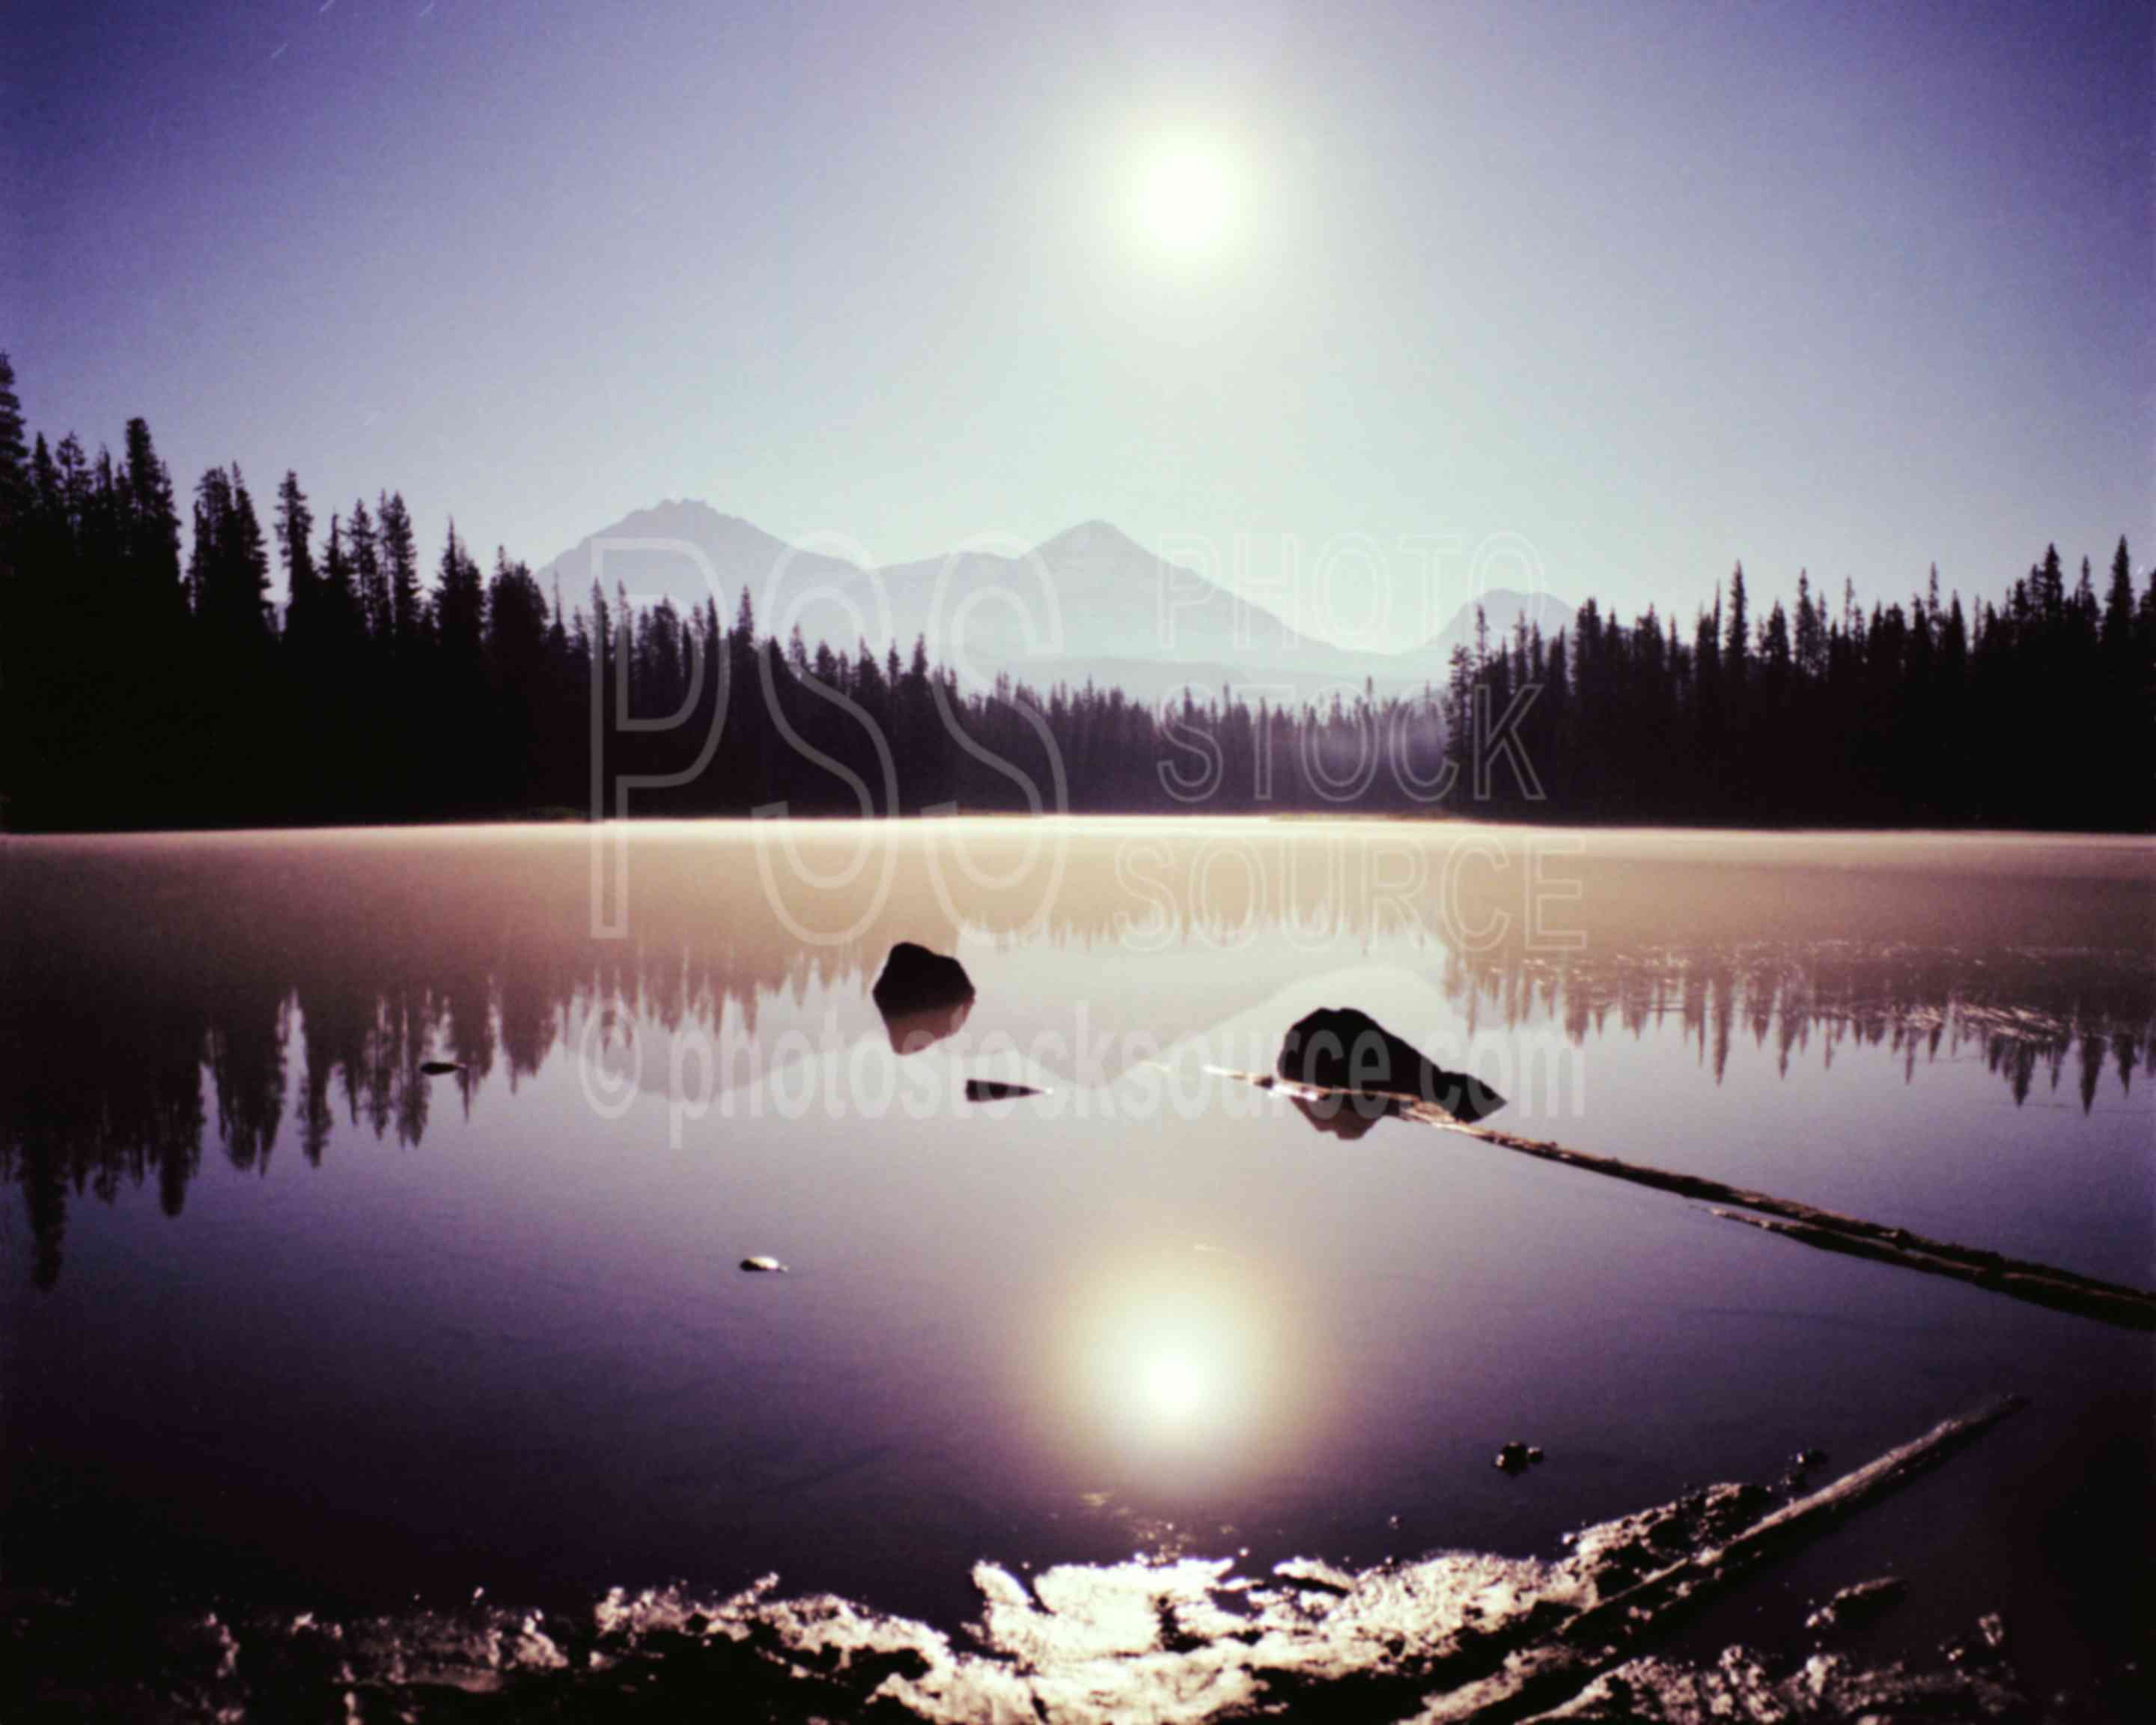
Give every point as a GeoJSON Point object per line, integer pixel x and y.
{"type": "Point", "coordinates": [294, 1325]}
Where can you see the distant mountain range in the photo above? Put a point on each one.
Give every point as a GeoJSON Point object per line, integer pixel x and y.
{"type": "Point", "coordinates": [1089, 604]}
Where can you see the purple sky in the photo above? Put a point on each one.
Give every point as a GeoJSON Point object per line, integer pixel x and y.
{"type": "Point", "coordinates": [1656, 286]}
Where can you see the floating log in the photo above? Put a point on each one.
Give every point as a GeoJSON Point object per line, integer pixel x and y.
{"type": "Point", "coordinates": [435, 1069]}
{"type": "Point", "coordinates": [2017, 1278]}
{"type": "Point", "coordinates": [2039, 1284]}
{"type": "Point", "coordinates": [1558, 1666]}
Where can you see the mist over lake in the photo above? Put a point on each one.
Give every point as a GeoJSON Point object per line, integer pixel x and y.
{"type": "Point", "coordinates": [286, 1316]}
{"type": "Point", "coordinates": [1007, 865]}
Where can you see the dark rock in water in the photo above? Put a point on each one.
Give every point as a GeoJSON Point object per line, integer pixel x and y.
{"type": "Point", "coordinates": [764, 1266]}
{"type": "Point", "coordinates": [435, 1069]}
{"type": "Point", "coordinates": [923, 997]}
{"type": "Point", "coordinates": [910, 1032]}
{"type": "Point", "coordinates": [990, 1089]}
{"type": "Point", "coordinates": [1857, 1604]}
{"type": "Point", "coordinates": [1338, 1048]}
{"type": "Point", "coordinates": [1516, 1457]}
{"type": "Point", "coordinates": [914, 978]}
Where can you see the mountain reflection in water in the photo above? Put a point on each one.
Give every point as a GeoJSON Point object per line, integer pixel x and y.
{"type": "Point", "coordinates": [158, 985]}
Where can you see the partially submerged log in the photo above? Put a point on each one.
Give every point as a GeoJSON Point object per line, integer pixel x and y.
{"type": "Point", "coordinates": [2017, 1278]}
{"type": "Point", "coordinates": [2040, 1284]}
{"type": "Point", "coordinates": [1556, 1666]}
{"type": "Point", "coordinates": [1451, 1635]}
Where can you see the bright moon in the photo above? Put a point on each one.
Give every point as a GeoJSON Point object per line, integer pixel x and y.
{"type": "Point", "coordinates": [1176, 1387]}
{"type": "Point", "coordinates": [1186, 198]}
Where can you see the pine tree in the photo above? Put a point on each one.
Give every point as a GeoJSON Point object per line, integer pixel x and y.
{"type": "Point", "coordinates": [460, 608]}
{"type": "Point", "coordinates": [2049, 583]}
{"type": "Point", "coordinates": [367, 578]}
{"type": "Point", "coordinates": [296, 529]}
{"type": "Point", "coordinates": [399, 552]}
{"type": "Point", "coordinates": [228, 571]}
{"type": "Point", "coordinates": [153, 550]}
{"type": "Point", "coordinates": [340, 619]}
{"type": "Point", "coordinates": [17, 623]}
{"type": "Point", "coordinates": [73, 468]}
{"type": "Point", "coordinates": [2118, 606]}
{"type": "Point", "coordinates": [14, 460]}
{"type": "Point", "coordinates": [1737, 646]}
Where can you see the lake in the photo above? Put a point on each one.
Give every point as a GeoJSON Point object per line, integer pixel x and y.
{"type": "Point", "coordinates": [287, 1320]}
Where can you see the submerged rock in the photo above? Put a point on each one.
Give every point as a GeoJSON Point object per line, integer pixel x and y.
{"type": "Point", "coordinates": [923, 996]}
{"type": "Point", "coordinates": [1340, 1048]}
{"type": "Point", "coordinates": [764, 1266]}
{"type": "Point", "coordinates": [1516, 1457]}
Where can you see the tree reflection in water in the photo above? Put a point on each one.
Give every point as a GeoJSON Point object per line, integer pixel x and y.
{"type": "Point", "coordinates": [152, 981]}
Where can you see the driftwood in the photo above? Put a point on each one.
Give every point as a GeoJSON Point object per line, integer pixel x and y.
{"type": "Point", "coordinates": [1556, 1667]}
{"type": "Point", "coordinates": [2040, 1284]}
{"type": "Point", "coordinates": [2018, 1278]}
{"type": "Point", "coordinates": [1452, 1636]}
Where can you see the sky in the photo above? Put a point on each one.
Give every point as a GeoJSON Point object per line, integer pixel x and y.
{"type": "Point", "coordinates": [1642, 289]}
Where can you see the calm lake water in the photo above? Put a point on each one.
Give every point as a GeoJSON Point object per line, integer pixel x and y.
{"type": "Point", "coordinates": [285, 1318]}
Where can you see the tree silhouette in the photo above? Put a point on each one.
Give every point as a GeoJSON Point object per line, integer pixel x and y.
{"type": "Point", "coordinates": [136, 691]}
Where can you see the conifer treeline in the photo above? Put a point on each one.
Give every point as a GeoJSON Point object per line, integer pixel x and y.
{"type": "Point", "coordinates": [140, 690]}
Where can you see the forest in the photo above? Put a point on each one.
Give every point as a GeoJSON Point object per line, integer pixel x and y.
{"type": "Point", "coordinates": [149, 678]}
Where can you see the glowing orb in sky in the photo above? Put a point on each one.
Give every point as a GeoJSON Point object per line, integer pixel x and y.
{"type": "Point", "coordinates": [1186, 197]}
{"type": "Point", "coordinates": [1176, 1386]}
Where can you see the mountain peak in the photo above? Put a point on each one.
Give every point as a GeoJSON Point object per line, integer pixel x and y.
{"type": "Point", "coordinates": [1093, 538]}
{"type": "Point", "coordinates": [1503, 607]}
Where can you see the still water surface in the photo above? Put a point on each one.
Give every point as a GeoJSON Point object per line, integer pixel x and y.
{"type": "Point", "coordinates": [285, 1318]}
